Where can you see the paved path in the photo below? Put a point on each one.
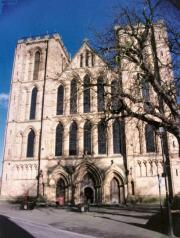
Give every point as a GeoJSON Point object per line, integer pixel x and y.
{"type": "Point", "coordinates": [44, 231]}
{"type": "Point", "coordinates": [100, 223]}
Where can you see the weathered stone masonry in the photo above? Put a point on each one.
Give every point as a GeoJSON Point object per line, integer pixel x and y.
{"type": "Point", "coordinates": [67, 177]}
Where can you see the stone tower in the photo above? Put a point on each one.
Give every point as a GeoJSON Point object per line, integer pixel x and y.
{"type": "Point", "coordinates": [37, 62]}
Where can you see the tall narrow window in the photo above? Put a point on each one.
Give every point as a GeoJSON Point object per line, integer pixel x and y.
{"type": "Point", "coordinates": [115, 102]}
{"type": "Point", "coordinates": [86, 94]}
{"type": "Point", "coordinates": [33, 103]}
{"type": "Point", "coordinates": [100, 94]}
{"type": "Point", "coordinates": [59, 139]}
{"type": "Point", "coordinates": [150, 138]}
{"type": "Point", "coordinates": [87, 58]}
{"type": "Point", "coordinates": [60, 100]}
{"type": "Point", "coordinates": [30, 144]}
{"type": "Point", "coordinates": [117, 137]}
{"type": "Point", "coordinates": [145, 94]}
{"type": "Point", "coordinates": [81, 60]}
{"type": "Point", "coordinates": [36, 65]}
{"type": "Point", "coordinates": [73, 139]}
{"type": "Point", "coordinates": [87, 137]}
{"type": "Point", "coordinates": [101, 137]}
{"type": "Point", "coordinates": [73, 97]}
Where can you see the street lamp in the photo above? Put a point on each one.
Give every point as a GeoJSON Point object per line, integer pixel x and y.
{"type": "Point", "coordinates": [161, 133]}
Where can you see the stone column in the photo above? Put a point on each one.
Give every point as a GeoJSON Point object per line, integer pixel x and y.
{"type": "Point", "coordinates": [36, 144]}
{"type": "Point", "coordinates": [27, 106]}
{"type": "Point", "coordinates": [109, 139]}
{"type": "Point", "coordinates": [66, 140]}
{"type": "Point", "coordinates": [95, 139]}
{"type": "Point", "coordinates": [38, 103]}
{"type": "Point", "coordinates": [81, 139]}
{"type": "Point", "coordinates": [94, 97]}
{"type": "Point", "coordinates": [30, 66]}
{"type": "Point", "coordinates": [67, 89]}
{"type": "Point", "coordinates": [24, 145]}
{"type": "Point", "coordinates": [80, 92]}
{"type": "Point", "coordinates": [23, 105]}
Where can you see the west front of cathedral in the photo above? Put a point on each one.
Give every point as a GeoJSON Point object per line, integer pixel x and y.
{"type": "Point", "coordinates": [58, 143]}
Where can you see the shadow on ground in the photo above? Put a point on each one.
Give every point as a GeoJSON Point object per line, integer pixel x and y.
{"type": "Point", "coordinates": [157, 222]}
{"type": "Point", "coordinates": [9, 229]}
{"type": "Point", "coordinates": [160, 223]}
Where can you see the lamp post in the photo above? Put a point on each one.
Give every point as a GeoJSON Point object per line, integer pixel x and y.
{"type": "Point", "coordinates": [161, 133]}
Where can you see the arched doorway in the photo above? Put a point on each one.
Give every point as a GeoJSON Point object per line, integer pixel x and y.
{"type": "Point", "coordinates": [88, 189]}
{"type": "Point", "coordinates": [115, 191]}
{"type": "Point", "coordinates": [60, 192]}
{"type": "Point", "coordinates": [89, 179]}
{"type": "Point", "coordinates": [89, 195]}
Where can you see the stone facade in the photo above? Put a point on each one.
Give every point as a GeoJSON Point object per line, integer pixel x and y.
{"type": "Point", "coordinates": [101, 178]}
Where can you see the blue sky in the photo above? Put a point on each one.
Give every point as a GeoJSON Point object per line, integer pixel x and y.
{"type": "Point", "coordinates": [73, 19]}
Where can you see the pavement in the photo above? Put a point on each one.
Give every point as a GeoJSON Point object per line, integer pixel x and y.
{"type": "Point", "coordinates": [123, 222]}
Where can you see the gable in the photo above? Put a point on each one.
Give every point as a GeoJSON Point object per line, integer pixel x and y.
{"type": "Point", "coordinates": [86, 57]}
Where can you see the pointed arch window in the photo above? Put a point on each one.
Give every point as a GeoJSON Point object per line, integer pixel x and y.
{"type": "Point", "coordinates": [59, 139]}
{"type": "Point", "coordinates": [146, 94]}
{"type": "Point", "coordinates": [117, 137]}
{"type": "Point", "coordinates": [87, 138]}
{"type": "Point", "coordinates": [30, 143]}
{"type": "Point", "coordinates": [150, 138]}
{"type": "Point", "coordinates": [145, 90]}
{"type": "Point", "coordinates": [102, 137]}
{"type": "Point", "coordinates": [73, 139]}
{"type": "Point", "coordinates": [36, 65]}
{"type": "Point", "coordinates": [86, 94]}
{"type": "Point", "coordinates": [115, 102]}
{"type": "Point", "coordinates": [73, 97]}
{"type": "Point", "coordinates": [60, 100]}
{"type": "Point", "coordinates": [33, 103]}
{"type": "Point", "coordinates": [100, 94]}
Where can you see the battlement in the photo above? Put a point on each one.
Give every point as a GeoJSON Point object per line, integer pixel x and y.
{"type": "Point", "coordinates": [44, 37]}
{"type": "Point", "coordinates": [38, 38]}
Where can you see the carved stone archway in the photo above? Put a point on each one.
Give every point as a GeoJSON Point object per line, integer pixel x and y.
{"type": "Point", "coordinates": [88, 175]}
{"type": "Point", "coordinates": [114, 187]}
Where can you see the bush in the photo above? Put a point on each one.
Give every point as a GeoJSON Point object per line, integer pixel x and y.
{"type": "Point", "coordinates": [41, 201]}
{"type": "Point", "coordinates": [133, 199]}
{"type": "Point", "coordinates": [153, 200]}
{"type": "Point", "coordinates": [143, 199]}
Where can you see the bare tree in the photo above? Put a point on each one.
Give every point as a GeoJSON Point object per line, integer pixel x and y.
{"type": "Point", "coordinates": [144, 53]}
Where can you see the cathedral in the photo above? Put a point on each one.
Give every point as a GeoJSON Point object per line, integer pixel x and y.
{"type": "Point", "coordinates": [58, 143]}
